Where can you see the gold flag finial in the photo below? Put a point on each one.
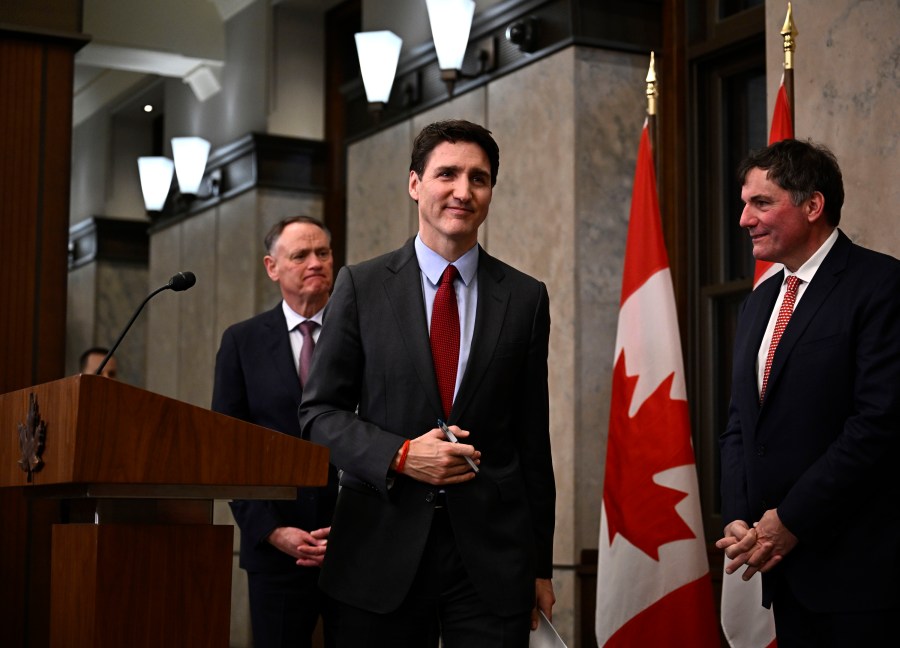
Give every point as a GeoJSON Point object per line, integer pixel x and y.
{"type": "Point", "coordinates": [651, 86]}
{"type": "Point", "coordinates": [789, 34]}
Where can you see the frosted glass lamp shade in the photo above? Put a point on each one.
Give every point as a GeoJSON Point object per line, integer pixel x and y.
{"type": "Point", "coordinates": [190, 155]}
{"type": "Point", "coordinates": [451, 21]}
{"type": "Point", "coordinates": [378, 53]}
{"type": "Point", "coordinates": [156, 180]}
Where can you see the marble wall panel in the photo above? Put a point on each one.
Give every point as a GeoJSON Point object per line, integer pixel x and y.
{"type": "Point", "coordinates": [379, 212]}
{"type": "Point", "coordinates": [102, 296]}
{"type": "Point", "coordinates": [847, 92]}
{"type": "Point", "coordinates": [197, 335]}
{"type": "Point", "coordinates": [80, 313]}
{"type": "Point", "coordinates": [163, 315]}
{"type": "Point", "coordinates": [120, 290]}
{"type": "Point", "coordinates": [238, 262]}
{"type": "Point", "coordinates": [471, 106]}
{"type": "Point", "coordinates": [609, 109]}
{"type": "Point", "coordinates": [532, 227]}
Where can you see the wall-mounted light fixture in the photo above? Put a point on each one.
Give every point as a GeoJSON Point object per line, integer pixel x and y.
{"type": "Point", "coordinates": [451, 22]}
{"type": "Point", "coordinates": [190, 155]}
{"type": "Point", "coordinates": [156, 172]}
{"type": "Point", "coordinates": [378, 53]}
{"type": "Point", "coordinates": [156, 180]}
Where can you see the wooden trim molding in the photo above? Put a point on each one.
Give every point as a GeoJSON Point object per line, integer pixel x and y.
{"type": "Point", "coordinates": [108, 239]}
{"type": "Point", "coordinates": [255, 161]}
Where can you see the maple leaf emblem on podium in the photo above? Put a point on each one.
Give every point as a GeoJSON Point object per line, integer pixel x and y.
{"type": "Point", "coordinates": [31, 439]}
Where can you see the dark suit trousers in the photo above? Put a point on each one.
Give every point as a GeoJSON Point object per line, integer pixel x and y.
{"type": "Point", "coordinates": [798, 627]}
{"type": "Point", "coordinates": [442, 603]}
{"type": "Point", "coordinates": [285, 607]}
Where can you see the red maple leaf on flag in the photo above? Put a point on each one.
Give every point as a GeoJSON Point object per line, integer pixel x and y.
{"type": "Point", "coordinates": [655, 439]}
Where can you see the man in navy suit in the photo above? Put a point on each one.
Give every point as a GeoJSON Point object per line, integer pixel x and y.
{"type": "Point", "coordinates": [421, 545]}
{"type": "Point", "coordinates": [258, 380]}
{"type": "Point", "coordinates": [810, 492]}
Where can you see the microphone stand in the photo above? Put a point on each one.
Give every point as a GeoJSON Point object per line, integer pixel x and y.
{"type": "Point", "coordinates": [181, 281]}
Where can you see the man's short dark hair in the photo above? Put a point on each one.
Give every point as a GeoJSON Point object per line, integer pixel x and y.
{"type": "Point", "coordinates": [453, 131]}
{"type": "Point", "coordinates": [801, 168]}
{"type": "Point", "coordinates": [83, 358]}
{"type": "Point", "coordinates": [278, 228]}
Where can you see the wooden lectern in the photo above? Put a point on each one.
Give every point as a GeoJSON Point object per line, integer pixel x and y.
{"type": "Point", "coordinates": [139, 561]}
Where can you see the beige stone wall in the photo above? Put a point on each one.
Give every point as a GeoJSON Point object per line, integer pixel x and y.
{"type": "Point", "coordinates": [102, 296]}
{"type": "Point", "coordinates": [847, 90]}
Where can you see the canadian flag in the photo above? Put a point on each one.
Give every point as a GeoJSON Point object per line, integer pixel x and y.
{"type": "Point", "coordinates": [653, 583]}
{"type": "Point", "coordinates": [782, 129]}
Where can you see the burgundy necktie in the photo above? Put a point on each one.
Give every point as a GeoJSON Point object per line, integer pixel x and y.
{"type": "Point", "coordinates": [784, 315]}
{"type": "Point", "coordinates": [306, 351]}
{"type": "Point", "coordinates": [445, 337]}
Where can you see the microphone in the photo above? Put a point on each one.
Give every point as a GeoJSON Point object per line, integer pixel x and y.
{"type": "Point", "coordinates": [181, 281]}
{"type": "Point", "coordinates": [178, 282]}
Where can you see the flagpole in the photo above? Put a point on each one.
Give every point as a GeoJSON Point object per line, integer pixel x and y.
{"type": "Point", "coordinates": [789, 36]}
{"type": "Point", "coordinates": [651, 104]}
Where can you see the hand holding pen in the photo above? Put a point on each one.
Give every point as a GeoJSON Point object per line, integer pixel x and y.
{"type": "Point", "coordinates": [452, 439]}
{"type": "Point", "coordinates": [434, 457]}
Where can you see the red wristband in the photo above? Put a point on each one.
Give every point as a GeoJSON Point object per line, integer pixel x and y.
{"type": "Point", "coordinates": [403, 452]}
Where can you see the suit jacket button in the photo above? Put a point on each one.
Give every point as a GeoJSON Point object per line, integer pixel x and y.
{"type": "Point", "coordinates": [429, 497]}
{"type": "Point", "coordinates": [760, 451]}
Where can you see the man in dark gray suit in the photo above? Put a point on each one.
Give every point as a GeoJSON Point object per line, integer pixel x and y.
{"type": "Point", "coordinates": [809, 457]}
{"type": "Point", "coordinates": [422, 545]}
{"type": "Point", "coordinates": [259, 378]}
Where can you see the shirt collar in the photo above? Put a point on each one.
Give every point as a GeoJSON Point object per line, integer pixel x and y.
{"type": "Point", "coordinates": [294, 318]}
{"type": "Point", "coordinates": [808, 270]}
{"type": "Point", "coordinates": [433, 264]}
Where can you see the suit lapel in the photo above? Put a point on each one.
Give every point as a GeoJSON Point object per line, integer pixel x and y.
{"type": "Point", "coordinates": [278, 346]}
{"type": "Point", "coordinates": [493, 299]}
{"type": "Point", "coordinates": [403, 288]}
{"type": "Point", "coordinates": [824, 281]}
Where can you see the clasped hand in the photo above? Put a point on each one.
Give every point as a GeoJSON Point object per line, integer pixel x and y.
{"type": "Point", "coordinates": [434, 460]}
{"type": "Point", "coordinates": [760, 547]}
{"type": "Point", "coordinates": [308, 547]}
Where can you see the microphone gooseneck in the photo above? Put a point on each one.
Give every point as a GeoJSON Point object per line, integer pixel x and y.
{"type": "Point", "coordinates": [180, 281]}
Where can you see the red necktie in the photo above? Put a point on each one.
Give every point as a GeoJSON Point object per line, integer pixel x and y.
{"type": "Point", "coordinates": [306, 351]}
{"type": "Point", "coordinates": [445, 337]}
{"type": "Point", "coordinates": [784, 315]}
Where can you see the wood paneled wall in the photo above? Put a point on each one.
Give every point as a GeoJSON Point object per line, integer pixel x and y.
{"type": "Point", "coordinates": [36, 70]}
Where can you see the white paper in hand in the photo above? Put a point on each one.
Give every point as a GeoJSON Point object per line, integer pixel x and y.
{"type": "Point", "coordinates": [546, 635]}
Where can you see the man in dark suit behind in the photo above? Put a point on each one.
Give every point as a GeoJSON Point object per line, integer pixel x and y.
{"type": "Point", "coordinates": [421, 545]}
{"type": "Point", "coordinates": [810, 453]}
{"type": "Point", "coordinates": [258, 379]}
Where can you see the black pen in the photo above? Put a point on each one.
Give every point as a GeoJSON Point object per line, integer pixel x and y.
{"type": "Point", "coordinates": [452, 439]}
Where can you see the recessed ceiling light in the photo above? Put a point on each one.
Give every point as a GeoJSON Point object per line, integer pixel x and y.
{"type": "Point", "coordinates": [148, 108]}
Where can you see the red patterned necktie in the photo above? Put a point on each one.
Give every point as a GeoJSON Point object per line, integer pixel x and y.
{"type": "Point", "coordinates": [784, 315]}
{"type": "Point", "coordinates": [445, 337]}
{"type": "Point", "coordinates": [306, 351]}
